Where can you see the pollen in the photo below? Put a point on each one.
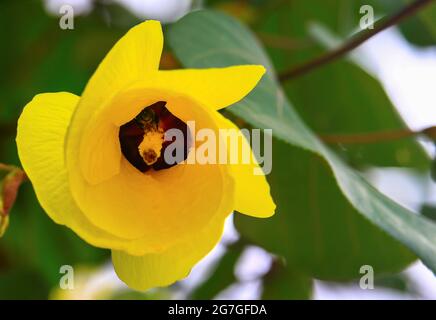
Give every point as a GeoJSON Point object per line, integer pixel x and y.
{"type": "Point", "coordinates": [151, 146]}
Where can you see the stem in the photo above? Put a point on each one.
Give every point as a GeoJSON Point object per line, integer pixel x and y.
{"type": "Point", "coordinates": [375, 137]}
{"type": "Point", "coordinates": [355, 41]}
{"type": "Point", "coordinates": [6, 167]}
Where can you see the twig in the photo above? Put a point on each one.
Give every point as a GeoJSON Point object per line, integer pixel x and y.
{"type": "Point", "coordinates": [375, 137]}
{"type": "Point", "coordinates": [6, 167]}
{"type": "Point", "coordinates": [355, 41]}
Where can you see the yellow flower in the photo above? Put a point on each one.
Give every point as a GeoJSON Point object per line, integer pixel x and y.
{"type": "Point", "coordinates": [77, 151]}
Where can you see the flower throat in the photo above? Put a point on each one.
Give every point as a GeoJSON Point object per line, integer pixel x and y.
{"type": "Point", "coordinates": [143, 141]}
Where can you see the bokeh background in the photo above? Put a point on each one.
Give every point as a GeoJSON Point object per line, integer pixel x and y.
{"type": "Point", "coordinates": [391, 75]}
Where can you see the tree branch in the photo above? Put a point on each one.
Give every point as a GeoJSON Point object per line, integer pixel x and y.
{"type": "Point", "coordinates": [355, 41]}
{"type": "Point", "coordinates": [6, 167]}
{"type": "Point", "coordinates": [375, 137]}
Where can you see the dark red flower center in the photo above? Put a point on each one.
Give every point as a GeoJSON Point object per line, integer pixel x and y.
{"type": "Point", "coordinates": [143, 140]}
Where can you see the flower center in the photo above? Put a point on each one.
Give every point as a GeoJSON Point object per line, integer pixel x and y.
{"type": "Point", "coordinates": [143, 141]}
{"type": "Point", "coordinates": [153, 138]}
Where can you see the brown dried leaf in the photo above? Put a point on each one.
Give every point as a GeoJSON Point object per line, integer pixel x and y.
{"type": "Point", "coordinates": [9, 187]}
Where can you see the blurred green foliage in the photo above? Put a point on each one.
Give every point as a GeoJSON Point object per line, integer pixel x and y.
{"type": "Point", "coordinates": [222, 276]}
{"type": "Point", "coordinates": [284, 283]}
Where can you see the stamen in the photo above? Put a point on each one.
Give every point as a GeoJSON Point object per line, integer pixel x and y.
{"type": "Point", "coordinates": [151, 145]}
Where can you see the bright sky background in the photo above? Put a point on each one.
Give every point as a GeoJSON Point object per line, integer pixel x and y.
{"type": "Point", "coordinates": [409, 77]}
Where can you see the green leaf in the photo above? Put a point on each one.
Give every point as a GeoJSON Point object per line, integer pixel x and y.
{"type": "Point", "coordinates": [433, 168]}
{"type": "Point", "coordinates": [216, 40]}
{"type": "Point", "coordinates": [342, 99]}
{"type": "Point", "coordinates": [284, 283]}
{"type": "Point", "coordinates": [428, 17]}
{"type": "Point", "coordinates": [315, 228]}
{"type": "Point", "coordinates": [398, 282]}
{"type": "Point", "coordinates": [429, 211]}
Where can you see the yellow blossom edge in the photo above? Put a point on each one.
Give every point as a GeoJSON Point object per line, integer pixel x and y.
{"type": "Point", "coordinates": [165, 268]}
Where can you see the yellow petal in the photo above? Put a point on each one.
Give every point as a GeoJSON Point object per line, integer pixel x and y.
{"type": "Point", "coordinates": [158, 208]}
{"type": "Point", "coordinates": [252, 191]}
{"type": "Point", "coordinates": [40, 141]}
{"type": "Point", "coordinates": [134, 57]}
{"type": "Point", "coordinates": [216, 87]}
{"type": "Point", "coordinates": [163, 269]}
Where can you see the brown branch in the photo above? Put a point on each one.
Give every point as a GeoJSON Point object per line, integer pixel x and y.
{"type": "Point", "coordinates": [13, 169]}
{"type": "Point", "coordinates": [355, 41]}
{"type": "Point", "coordinates": [375, 137]}
{"type": "Point", "coordinates": [6, 167]}
{"type": "Point", "coordinates": [9, 186]}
